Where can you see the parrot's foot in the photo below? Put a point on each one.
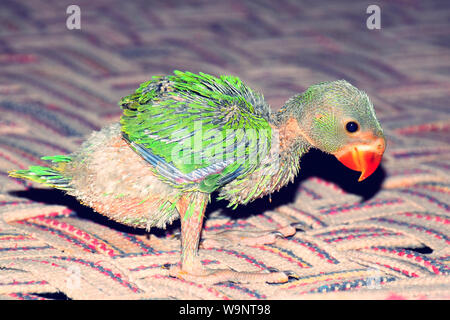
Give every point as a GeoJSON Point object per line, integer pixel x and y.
{"type": "Point", "coordinates": [191, 268]}
{"type": "Point", "coordinates": [212, 276]}
{"type": "Point", "coordinates": [248, 238]}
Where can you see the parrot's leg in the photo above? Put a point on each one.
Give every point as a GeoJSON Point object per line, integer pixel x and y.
{"type": "Point", "coordinates": [191, 268]}
{"type": "Point", "coordinates": [191, 229]}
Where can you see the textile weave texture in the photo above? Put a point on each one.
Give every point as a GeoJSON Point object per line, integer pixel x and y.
{"type": "Point", "coordinates": [384, 238]}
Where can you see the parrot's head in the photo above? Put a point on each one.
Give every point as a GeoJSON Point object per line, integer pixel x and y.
{"type": "Point", "coordinates": [339, 119]}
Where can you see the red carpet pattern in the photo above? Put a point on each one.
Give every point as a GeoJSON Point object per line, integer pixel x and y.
{"type": "Point", "coordinates": [385, 238]}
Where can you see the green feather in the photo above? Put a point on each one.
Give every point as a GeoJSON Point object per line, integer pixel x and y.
{"type": "Point", "coordinates": [58, 158]}
{"type": "Point", "coordinates": [194, 121]}
{"type": "Point", "coordinates": [51, 177]}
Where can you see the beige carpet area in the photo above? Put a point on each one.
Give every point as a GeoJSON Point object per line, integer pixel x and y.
{"type": "Point", "coordinates": [385, 238]}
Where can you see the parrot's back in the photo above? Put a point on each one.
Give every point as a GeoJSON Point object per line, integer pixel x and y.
{"type": "Point", "coordinates": [199, 132]}
{"type": "Point", "coordinates": [178, 134]}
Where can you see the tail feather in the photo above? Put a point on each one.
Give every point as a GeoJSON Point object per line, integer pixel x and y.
{"type": "Point", "coordinates": [51, 177]}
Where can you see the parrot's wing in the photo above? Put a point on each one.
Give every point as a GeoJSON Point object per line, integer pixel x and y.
{"type": "Point", "coordinates": [199, 132]}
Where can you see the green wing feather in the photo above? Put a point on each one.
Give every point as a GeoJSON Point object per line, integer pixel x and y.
{"type": "Point", "coordinates": [198, 131]}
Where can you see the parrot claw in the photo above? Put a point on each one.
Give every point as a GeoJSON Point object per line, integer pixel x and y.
{"type": "Point", "coordinates": [277, 234]}
{"type": "Point", "coordinates": [299, 226]}
{"type": "Point", "coordinates": [284, 232]}
{"type": "Point", "coordinates": [167, 266]}
{"type": "Point", "coordinates": [271, 269]}
{"type": "Point", "coordinates": [176, 235]}
{"type": "Point", "coordinates": [289, 273]}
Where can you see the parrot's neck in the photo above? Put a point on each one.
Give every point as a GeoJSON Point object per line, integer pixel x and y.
{"type": "Point", "coordinates": [289, 144]}
{"type": "Point", "coordinates": [279, 167]}
{"type": "Point", "coordinates": [294, 107]}
{"type": "Point", "coordinates": [290, 131]}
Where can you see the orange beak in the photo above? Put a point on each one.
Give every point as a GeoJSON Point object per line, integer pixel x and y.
{"type": "Point", "coordinates": [362, 157]}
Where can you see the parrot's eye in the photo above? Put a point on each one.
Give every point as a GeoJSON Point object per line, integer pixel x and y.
{"type": "Point", "coordinates": [351, 126]}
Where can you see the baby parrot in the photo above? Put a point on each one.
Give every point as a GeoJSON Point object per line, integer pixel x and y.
{"type": "Point", "coordinates": [183, 136]}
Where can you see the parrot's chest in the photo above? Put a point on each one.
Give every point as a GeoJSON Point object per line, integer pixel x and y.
{"type": "Point", "coordinates": [275, 171]}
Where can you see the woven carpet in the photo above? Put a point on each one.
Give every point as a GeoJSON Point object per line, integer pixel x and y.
{"type": "Point", "coordinates": [385, 238]}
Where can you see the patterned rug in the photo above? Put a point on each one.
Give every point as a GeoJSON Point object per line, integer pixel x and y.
{"type": "Point", "coordinates": [385, 238]}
